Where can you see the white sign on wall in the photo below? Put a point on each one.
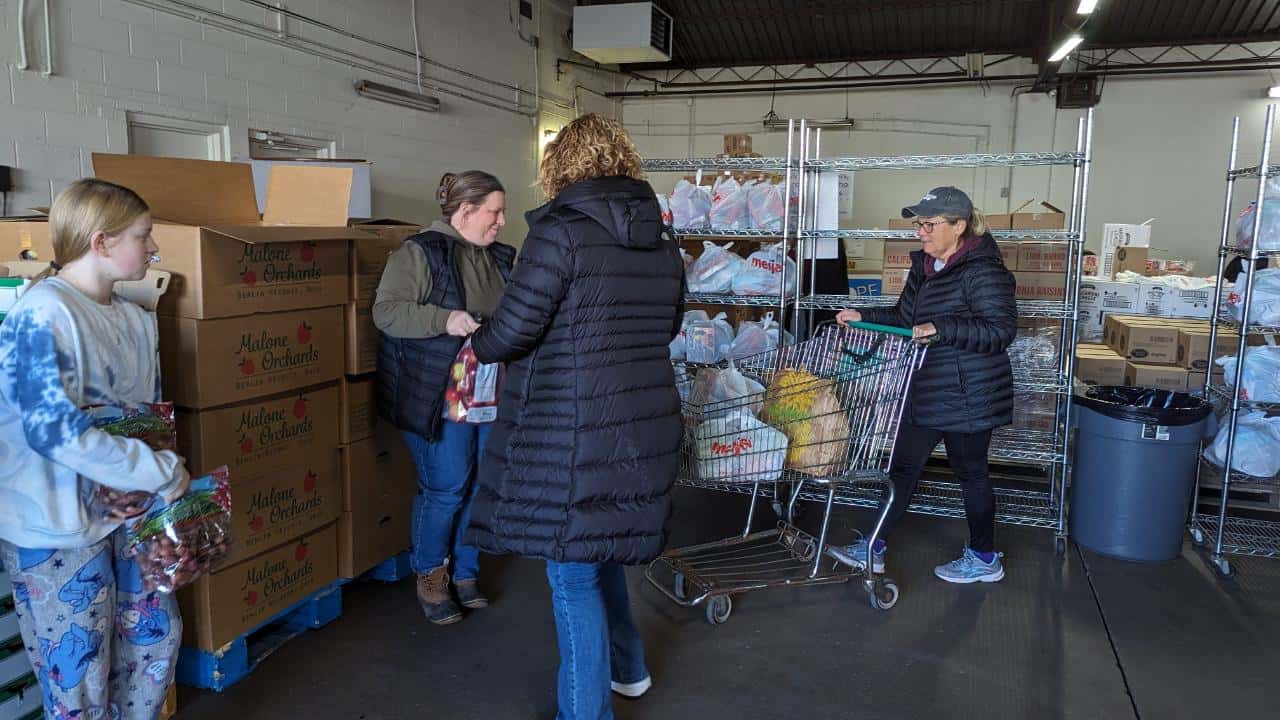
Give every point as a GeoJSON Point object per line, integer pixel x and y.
{"type": "Point", "coordinates": [846, 196]}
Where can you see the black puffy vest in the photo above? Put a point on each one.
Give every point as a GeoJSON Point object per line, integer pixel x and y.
{"type": "Point", "coordinates": [413, 373]}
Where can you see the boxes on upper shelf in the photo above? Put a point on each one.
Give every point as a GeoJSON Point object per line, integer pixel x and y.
{"type": "Point", "coordinates": [1009, 250]}
{"type": "Point", "coordinates": [897, 253]}
{"type": "Point", "coordinates": [1051, 218]}
{"type": "Point", "coordinates": [1040, 285]}
{"type": "Point", "coordinates": [228, 261]}
{"type": "Point", "coordinates": [207, 363]}
{"type": "Point", "coordinates": [892, 282]}
{"type": "Point", "coordinates": [1042, 257]}
{"type": "Point", "coordinates": [865, 285]}
{"type": "Point", "coordinates": [1000, 221]}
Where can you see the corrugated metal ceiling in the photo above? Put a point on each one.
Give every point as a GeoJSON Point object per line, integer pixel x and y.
{"type": "Point", "coordinates": [711, 33]}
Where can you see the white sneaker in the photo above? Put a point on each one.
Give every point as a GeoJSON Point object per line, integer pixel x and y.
{"type": "Point", "coordinates": [632, 690]}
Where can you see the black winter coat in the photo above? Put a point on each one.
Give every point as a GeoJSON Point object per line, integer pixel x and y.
{"type": "Point", "coordinates": [966, 383]}
{"type": "Point", "coordinates": [580, 463]}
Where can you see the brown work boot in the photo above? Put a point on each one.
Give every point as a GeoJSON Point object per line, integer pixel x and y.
{"type": "Point", "coordinates": [434, 597]}
{"type": "Point", "coordinates": [469, 595]}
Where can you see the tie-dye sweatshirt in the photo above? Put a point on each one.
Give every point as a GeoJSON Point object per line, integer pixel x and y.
{"type": "Point", "coordinates": [60, 351]}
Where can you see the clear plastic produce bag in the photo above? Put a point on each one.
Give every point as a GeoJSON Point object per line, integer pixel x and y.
{"type": "Point", "coordinates": [714, 270]}
{"type": "Point", "coordinates": [472, 393]}
{"type": "Point", "coordinates": [175, 543]}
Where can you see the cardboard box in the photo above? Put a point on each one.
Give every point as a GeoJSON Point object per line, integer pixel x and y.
{"type": "Point", "coordinates": [207, 363]}
{"type": "Point", "coordinates": [283, 457]}
{"type": "Point", "coordinates": [900, 224]}
{"type": "Point", "coordinates": [897, 253]}
{"type": "Point", "coordinates": [1155, 299]}
{"type": "Point", "coordinates": [369, 464]}
{"type": "Point", "coordinates": [362, 340]}
{"type": "Point", "coordinates": [1193, 303]}
{"type": "Point", "coordinates": [1142, 340]}
{"type": "Point", "coordinates": [1130, 259]}
{"type": "Point", "coordinates": [226, 260]}
{"type": "Point", "coordinates": [1195, 379]}
{"type": "Point", "coordinates": [1002, 221]}
{"type": "Point", "coordinates": [892, 282]}
{"type": "Point", "coordinates": [368, 257]}
{"type": "Point", "coordinates": [1100, 366]}
{"type": "Point", "coordinates": [358, 415]}
{"type": "Point", "coordinates": [1040, 285]}
{"type": "Point", "coordinates": [1042, 257]}
{"type": "Point", "coordinates": [1101, 298]}
{"type": "Point", "coordinates": [233, 601]}
{"type": "Point", "coordinates": [1193, 347]}
{"type": "Point", "coordinates": [1009, 250]}
{"type": "Point", "coordinates": [1160, 377]}
{"type": "Point", "coordinates": [382, 483]}
{"type": "Point", "coordinates": [25, 238]}
{"type": "Point", "coordinates": [1051, 218]}
{"type": "Point", "coordinates": [865, 285]}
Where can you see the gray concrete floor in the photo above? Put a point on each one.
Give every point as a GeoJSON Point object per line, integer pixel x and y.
{"type": "Point", "coordinates": [1074, 637]}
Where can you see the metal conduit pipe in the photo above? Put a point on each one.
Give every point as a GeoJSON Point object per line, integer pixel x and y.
{"type": "Point", "coordinates": [232, 24]}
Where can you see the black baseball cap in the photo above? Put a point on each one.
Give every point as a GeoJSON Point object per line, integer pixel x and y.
{"type": "Point", "coordinates": [946, 201]}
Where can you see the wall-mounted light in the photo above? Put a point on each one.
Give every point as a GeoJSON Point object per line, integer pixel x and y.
{"type": "Point", "coordinates": [549, 134]}
{"type": "Point", "coordinates": [1065, 48]}
{"type": "Point", "coordinates": [1273, 91]}
{"type": "Point", "coordinates": [396, 96]}
{"type": "Point", "coordinates": [1086, 7]}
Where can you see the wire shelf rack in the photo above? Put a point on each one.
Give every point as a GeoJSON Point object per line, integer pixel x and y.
{"type": "Point", "coordinates": [1038, 380]}
{"type": "Point", "coordinates": [1253, 172]}
{"type": "Point", "coordinates": [765, 164]}
{"type": "Point", "coordinates": [915, 162]}
{"type": "Point", "coordinates": [1037, 447]}
{"type": "Point", "coordinates": [749, 234]}
{"type": "Point", "coordinates": [1211, 476]}
{"type": "Point", "coordinates": [733, 300]}
{"type": "Point", "coordinates": [1242, 536]}
{"type": "Point", "coordinates": [1243, 251]}
{"type": "Point", "coordinates": [1223, 394]}
{"type": "Point", "coordinates": [1225, 319]}
{"type": "Point", "coordinates": [1026, 308]}
{"type": "Point", "coordinates": [861, 234]}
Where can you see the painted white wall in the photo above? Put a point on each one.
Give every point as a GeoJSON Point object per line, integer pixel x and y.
{"type": "Point", "coordinates": [112, 57]}
{"type": "Point", "coordinates": [1160, 146]}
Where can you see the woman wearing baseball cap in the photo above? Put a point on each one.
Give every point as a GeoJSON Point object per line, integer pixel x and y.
{"type": "Point", "coordinates": [960, 295]}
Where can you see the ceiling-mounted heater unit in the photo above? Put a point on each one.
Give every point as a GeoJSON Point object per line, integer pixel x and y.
{"type": "Point", "coordinates": [638, 32]}
{"type": "Point", "coordinates": [1078, 91]}
{"type": "Point", "coordinates": [396, 96]}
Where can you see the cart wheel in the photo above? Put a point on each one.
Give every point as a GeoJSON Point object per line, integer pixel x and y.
{"type": "Point", "coordinates": [807, 551]}
{"type": "Point", "coordinates": [718, 609]}
{"type": "Point", "coordinates": [1060, 546]}
{"type": "Point", "coordinates": [1197, 537]}
{"type": "Point", "coordinates": [1223, 567]}
{"type": "Point", "coordinates": [885, 595]}
{"type": "Point", "coordinates": [678, 587]}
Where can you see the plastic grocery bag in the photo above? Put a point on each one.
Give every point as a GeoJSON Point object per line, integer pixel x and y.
{"type": "Point", "coordinates": [1257, 437]}
{"type": "Point", "coordinates": [1265, 309]}
{"type": "Point", "coordinates": [1036, 348]}
{"type": "Point", "coordinates": [690, 206]}
{"type": "Point", "coordinates": [664, 209]}
{"type": "Point", "coordinates": [736, 447]}
{"type": "Point", "coordinates": [708, 341]}
{"type": "Point", "coordinates": [175, 543]}
{"type": "Point", "coordinates": [730, 391]}
{"type": "Point", "coordinates": [1260, 381]}
{"type": "Point", "coordinates": [686, 258]}
{"type": "Point", "coordinates": [729, 206]}
{"type": "Point", "coordinates": [766, 205]}
{"type": "Point", "coordinates": [678, 346]}
{"type": "Point", "coordinates": [1269, 233]}
{"type": "Point", "coordinates": [763, 271]}
{"type": "Point", "coordinates": [757, 337]}
{"type": "Point", "coordinates": [713, 271]}
{"type": "Point", "coordinates": [473, 390]}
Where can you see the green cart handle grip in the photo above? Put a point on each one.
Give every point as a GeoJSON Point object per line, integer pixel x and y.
{"type": "Point", "coordinates": [904, 332]}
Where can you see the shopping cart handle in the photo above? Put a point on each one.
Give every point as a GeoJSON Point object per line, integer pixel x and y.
{"type": "Point", "coordinates": [904, 332]}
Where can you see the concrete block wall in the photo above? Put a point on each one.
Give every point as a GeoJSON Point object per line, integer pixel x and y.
{"type": "Point", "coordinates": [113, 58]}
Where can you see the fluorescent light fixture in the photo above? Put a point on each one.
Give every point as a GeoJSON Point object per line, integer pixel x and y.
{"type": "Point", "coordinates": [1273, 91]}
{"type": "Point", "coordinates": [1086, 7]}
{"type": "Point", "coordinates": [773, 122]}
{"type": "Point", "coordinates": [1065, 48]}
{"type": "Point", "coordinates": [396, 96]}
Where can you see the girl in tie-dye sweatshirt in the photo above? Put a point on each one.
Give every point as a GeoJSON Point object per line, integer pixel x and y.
{"type": "Point", "coordinates": [99, 644]}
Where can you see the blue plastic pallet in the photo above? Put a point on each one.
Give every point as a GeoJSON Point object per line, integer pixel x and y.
{"type": "Point", "coordinates": [393, 569]}
{"type": "Point", "coordinates": [220, 670]}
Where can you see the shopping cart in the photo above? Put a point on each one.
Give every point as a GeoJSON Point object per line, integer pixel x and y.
{"type": "Point", "coordinates": [823, 413]}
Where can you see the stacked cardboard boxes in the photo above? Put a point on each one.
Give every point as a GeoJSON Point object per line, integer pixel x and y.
{"type": "Point", "coordinates": [251, 350]}
{"type": "Point", "coordinates": [1166, 353]}
{"type": "Point", "coordinates": [1099, 365]}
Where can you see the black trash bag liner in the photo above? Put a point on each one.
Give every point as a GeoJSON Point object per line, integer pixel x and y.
{"type": "Point", "coordinates": [1145, 405]}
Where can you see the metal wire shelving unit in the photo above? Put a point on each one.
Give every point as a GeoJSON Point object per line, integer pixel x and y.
{"type": "Point", "coordinates": [1223, 532]}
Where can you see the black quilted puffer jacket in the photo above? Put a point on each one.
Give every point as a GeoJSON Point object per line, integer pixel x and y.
{"type": "Point", "coordinates": [580, 463]}
{"type": "Point", "coordinates": [966, 383]}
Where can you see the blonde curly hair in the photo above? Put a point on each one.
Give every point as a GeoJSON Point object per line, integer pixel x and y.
{"type": "Point", "coordinates": [589, 147]}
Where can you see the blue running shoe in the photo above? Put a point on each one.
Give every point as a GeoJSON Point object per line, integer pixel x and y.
{"type": "Point", "coordinates": [969, 568]}
{"type": "Point", "coordinates": [855, 555]}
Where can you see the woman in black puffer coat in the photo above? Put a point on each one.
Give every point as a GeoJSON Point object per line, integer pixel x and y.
{"type": "Point", "coordinates": [579, 467]}
{"type": "Point", "coordinates": [959, 294]}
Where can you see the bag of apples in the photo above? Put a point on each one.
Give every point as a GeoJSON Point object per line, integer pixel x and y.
{"type": "Point", "coordinates": [175, 543]}
{"type": "Point", "coordinates": [472, 393]}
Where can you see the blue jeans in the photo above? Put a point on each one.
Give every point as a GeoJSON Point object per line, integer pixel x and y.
{"type": "Point", "coordinates": [598, 638]}
{"type": "Point", "coordinates": [446, 487]}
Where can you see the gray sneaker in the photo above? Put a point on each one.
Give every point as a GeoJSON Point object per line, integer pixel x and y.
{"type": "Point", "coordinates": [969, 568]}
{"type": "Point", "coordinates": [855, 555]}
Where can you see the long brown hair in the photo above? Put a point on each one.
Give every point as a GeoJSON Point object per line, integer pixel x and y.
{"type": "Point", "coordinates": [86, 207]}
{"type": "Point", "coordinates": [470, 186]}
{"type": "Point", "coordinates": [589, 147]}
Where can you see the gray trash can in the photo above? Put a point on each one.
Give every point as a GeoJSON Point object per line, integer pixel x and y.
{"type": "Point", "coordinates": [1134, 470]}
